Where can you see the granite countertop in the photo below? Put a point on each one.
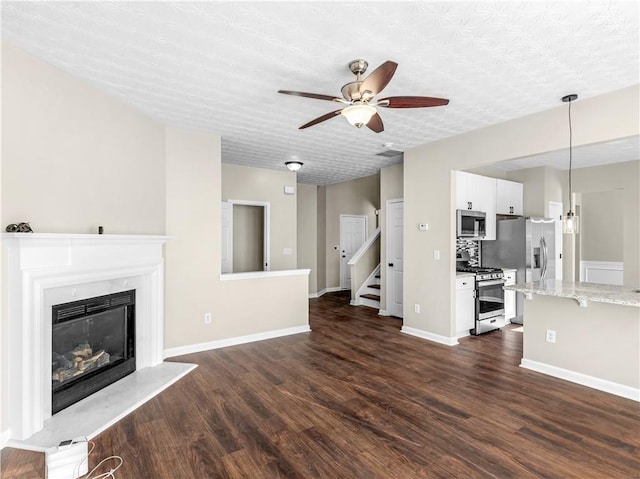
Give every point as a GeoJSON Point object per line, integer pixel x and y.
{"type": "Point", "coordinates": [581, 292]}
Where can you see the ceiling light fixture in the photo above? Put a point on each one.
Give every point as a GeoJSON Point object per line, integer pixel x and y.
{"type": "Point", "coordinates": [359, 114]}
{"type": "Point", "coordinates": [570, 222]}
{"type": "Point", "coordinates": [293, 165]}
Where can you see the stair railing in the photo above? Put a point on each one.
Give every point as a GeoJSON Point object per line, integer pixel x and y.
{"type": "Point", "coordinates": [364, 261]}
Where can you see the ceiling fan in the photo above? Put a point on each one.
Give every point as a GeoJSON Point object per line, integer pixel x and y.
{"type": "Point", "coordinates": [358, 96]}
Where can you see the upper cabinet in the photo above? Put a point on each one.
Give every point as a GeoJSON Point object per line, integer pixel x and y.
{"type": "Point", "coordinates": [477, 193]}
{"type": "Point", "coordinates": [509, 196]}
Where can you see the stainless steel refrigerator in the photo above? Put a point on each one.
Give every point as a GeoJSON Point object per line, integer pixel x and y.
{"type": "Point", "coordinates": [527, 245]}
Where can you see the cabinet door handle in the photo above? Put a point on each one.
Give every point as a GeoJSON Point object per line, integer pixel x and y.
{"type": "Point", "coordinates": [469, 205]}
{"type": "Point", "coordinates": [391, 265]}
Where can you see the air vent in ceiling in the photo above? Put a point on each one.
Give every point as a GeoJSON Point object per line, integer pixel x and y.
{"type": "Point", "coordinates": [389, 153]}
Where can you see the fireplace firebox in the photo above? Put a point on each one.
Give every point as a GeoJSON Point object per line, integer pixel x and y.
{"type": "Point", "coordinates": [93, 345]}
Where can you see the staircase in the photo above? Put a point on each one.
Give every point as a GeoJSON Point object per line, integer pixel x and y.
{"type": "Point", "coordinates": [369, 295]}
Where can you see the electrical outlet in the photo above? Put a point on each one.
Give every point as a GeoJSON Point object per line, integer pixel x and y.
{"type": "Point", "coordinates": [436, 254]}
{"type": "Point", "coordinates": [416, 308]}
{"type": "Point", "coordinates": [207, 318]}
{"type": "Point", "coordinates": [551, 336]}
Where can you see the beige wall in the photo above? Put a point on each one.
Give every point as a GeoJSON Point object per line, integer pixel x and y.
{"type": "Point", "coordinates": [192, 256]}
{"type": "Point", "coordinates": [540, 185]}
{"type": "Point", "coordinates": [248, 238]}
{"type": "Point", "coordinates": [602, 226]}
{"type": "Point", "coordinates": [355, 197]}
{"type": "Point", "coordinates": [429, 191]}
{"type": "Point", "coordinates": [73, 157]}
{"type": "Point", "coordinates": [322, 238]}
{"type": "Point", "coordinates": [259, 184]}
{"type": "Point", "coordinates": [625, 178]}
{"type": "Point", "coordinates": [587, 341]}
{"type": "Point", "coordinates": [308, 232]}
{"type": "Point", "coordinates": [391, 188]}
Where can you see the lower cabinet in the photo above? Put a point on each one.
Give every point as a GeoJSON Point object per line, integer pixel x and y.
{"type": "Point", "coordinates": [509, 296]}
{"type": "Point", "coordinates": [465, 305]}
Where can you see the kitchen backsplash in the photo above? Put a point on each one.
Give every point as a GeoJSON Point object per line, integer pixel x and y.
{"type": "Point", "coordinates": [470, 246]}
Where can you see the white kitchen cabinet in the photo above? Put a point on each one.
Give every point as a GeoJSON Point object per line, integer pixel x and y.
{"type": "Point", "coordinates": [509, 198]}
{"type": "Point", "coordinates": [465, 305]}
{"type": "Point", "coordinates": [477, 193]}
{"type": "Point", "coordinates": [509, 296]}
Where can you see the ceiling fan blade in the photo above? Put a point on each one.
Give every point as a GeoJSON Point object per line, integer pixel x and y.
{"type": "Point", "coordinates": [320, 119]}
{"type": "Point", "coordinates": [379, 78]}
{"type": "Point", "coordinates": [375, 123]}
{"type": "Point", "coordinates": [411, 102]}
{"type": "Point", "coordinates": [317, 96]}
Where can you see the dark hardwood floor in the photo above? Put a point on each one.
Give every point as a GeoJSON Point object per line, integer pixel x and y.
{"type": "Point", "coordinates": [355, 398]}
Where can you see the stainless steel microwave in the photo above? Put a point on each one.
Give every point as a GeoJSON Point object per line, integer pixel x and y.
{"type": "Point", "coordinates": [471, 224]}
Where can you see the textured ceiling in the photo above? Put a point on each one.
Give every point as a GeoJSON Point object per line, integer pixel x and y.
{"type": "Point", "coordinates": [216, 66]}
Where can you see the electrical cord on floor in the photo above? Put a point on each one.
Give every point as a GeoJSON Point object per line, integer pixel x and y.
{"type": "Point", "coordinates": [104, 475]}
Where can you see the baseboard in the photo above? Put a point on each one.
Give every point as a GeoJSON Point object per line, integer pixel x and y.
{"type": "Point", "coordinates": [325, 291]}
{"type": "Point", "coordinates": [4, 438]}
{"type": "Point", "coordinates": [354, 302]}
{"type": "Point", "coordinates": [383, 312]}
{"type": "Point", "coordinates": [223, 343]}
{"type": "Point", "coordinates": [583, 379]}
{"type": "Point", "coordinates": [429, 336]}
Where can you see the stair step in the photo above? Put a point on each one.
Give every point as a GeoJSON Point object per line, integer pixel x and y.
{"type": "Point", "coordinates": [373, 297]}
{"type": "Point", "coordinates": [373, 286]}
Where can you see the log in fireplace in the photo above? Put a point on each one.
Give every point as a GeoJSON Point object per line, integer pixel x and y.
{"type": "Point", "coordinates": [93, 345]}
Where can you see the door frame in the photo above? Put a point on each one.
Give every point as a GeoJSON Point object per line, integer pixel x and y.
{"type": "Point", "coordinates": [267, 215]}
{"type": "Point", "coordinates": [343, 269]}
{"type": "Point", "coordinates": [388, 282]}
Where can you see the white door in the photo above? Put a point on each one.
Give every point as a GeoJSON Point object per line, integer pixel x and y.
{"type": "Point", "coordinates": [353, 232]}
{"type": "Point", "coordinates": [227, 238]}
{"type": "Point", "coordinates": [395, 262]}
{"type": "Point", "coordinates": [555, 212]}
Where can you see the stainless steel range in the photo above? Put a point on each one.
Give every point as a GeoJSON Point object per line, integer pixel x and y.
{"type": "Point", "coordinates": [488, 292]}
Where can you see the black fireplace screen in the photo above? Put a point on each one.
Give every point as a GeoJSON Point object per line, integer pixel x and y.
{"type": "Point", "coordinates": [93, 345]}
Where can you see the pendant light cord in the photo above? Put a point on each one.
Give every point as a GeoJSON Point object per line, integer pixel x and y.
{"type": "Point", "coordinates": [570, 160]}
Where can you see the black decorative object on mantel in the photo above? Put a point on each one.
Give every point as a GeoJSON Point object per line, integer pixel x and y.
{"type": "Point", "coordinates": [19, 228]}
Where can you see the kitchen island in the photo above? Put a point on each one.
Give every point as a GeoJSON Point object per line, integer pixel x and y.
{"type": "Point", "coordinates": [583, 332]}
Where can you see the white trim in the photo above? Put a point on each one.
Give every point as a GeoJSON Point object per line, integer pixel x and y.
{"type": "Point", "coordinates": [346, 267]}
{"type": "Point", "coordinates": [48, 269]}
{"type": "Point", "coordinates": [365, 246]}
{"type": "Point", "coordinates": [383, 312]}
{"type": "Point", "coordinates": [587, 266]}
{"type": "Point", "coordinates": [389, 285]}
{"type": "Point", "coordinates": [264, 274]}
{"type": "Point", "coordinates": [223, 343]}
{"type": "Point", "coordinates": [583, 379]}
{"type": "Point", "coordinates": [429, 336]}
{"type": "Point", "coordinates": [4, 438]}
{"type": "Point", "coordinates": [324, 291]}
{"type": "Point", "coordinates": [266, 259]}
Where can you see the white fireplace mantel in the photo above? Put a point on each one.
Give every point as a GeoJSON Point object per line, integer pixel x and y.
{"type": "Point", "coordinates": [40, 270]}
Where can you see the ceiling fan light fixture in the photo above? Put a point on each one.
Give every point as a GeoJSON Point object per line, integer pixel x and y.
{"type": "Point", "coordinates": [293, 165]}
{"type": "Point", "coordinates": [358, 115]}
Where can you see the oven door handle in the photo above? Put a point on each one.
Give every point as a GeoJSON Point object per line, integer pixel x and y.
{"type": "Point", "coordinates": [491, 282]}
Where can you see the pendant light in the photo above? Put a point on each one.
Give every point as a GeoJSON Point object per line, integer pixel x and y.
{"type": "Point", "coordinates": [570, 222]}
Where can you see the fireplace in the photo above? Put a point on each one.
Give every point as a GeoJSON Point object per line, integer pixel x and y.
{"type": "Point", "coordinates": [45, 271]}
{"type": "Point", "coordinates": [92, 345]}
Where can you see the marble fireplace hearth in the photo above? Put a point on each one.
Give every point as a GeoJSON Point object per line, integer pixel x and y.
{"type": "Point", "coordinates": [41, 270]}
